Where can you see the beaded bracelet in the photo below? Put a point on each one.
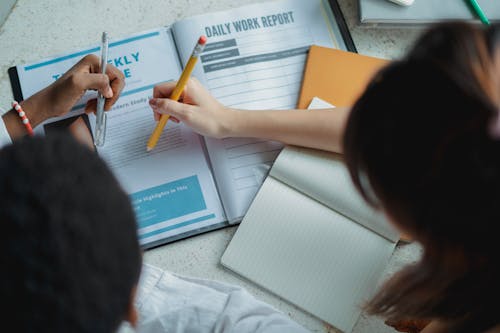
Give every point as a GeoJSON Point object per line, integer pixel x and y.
{"type": "Point", "coordinates": [23, 117]}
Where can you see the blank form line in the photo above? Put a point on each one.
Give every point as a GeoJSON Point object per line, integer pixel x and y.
{"type": "Point", "coordinates": [245, 144]}
{"type": "Point", "coordinates": [246, 187]}
{"type": "Point", "coordinates": [255, 90]}
{"type": "Point", "coordinates": [261, 100]}
{"type": "Point", "coordinates": [253, 164]}
{"type": "Point", "coordinates": [254, 70]}
{"type": "Point", "coordinates": [255, 80]}
{"type": "Point", "coordinates": [254, 153]}
{"type": "Point", "coordinates": [243, 177]}
{"type": "Point", "coordinates": [262, 46]}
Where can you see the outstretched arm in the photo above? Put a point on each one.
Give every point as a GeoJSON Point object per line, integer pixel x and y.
{"type": "Point", "coordinates": [320, 129]}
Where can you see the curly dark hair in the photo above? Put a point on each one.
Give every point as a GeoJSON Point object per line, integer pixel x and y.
{"type": "Point", "coordinates": [68, 246]}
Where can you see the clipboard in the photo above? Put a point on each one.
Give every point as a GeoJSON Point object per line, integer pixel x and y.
{"type": "Point", "coordinates": [15, 84]}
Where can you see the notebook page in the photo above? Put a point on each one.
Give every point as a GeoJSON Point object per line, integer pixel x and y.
{"type": "Point", "coordinates": [254, 59]}
{"type": "Point", "coordinates": [324, 177]}
{"type": "Point", "coordinates": [172, 189]}
{"type": "Point", "coordinates": [308, 254]}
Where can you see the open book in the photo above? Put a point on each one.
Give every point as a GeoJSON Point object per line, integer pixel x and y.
{"type": "Point", "coordinates": [254, 59]}
{"type": "Point", "coordinates": [310, 238]}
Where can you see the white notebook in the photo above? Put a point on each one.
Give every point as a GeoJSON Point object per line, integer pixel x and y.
{"type": "Point", "coordinates": [309, 237]}
{"type": "Point", "coordinates": [424, 11]}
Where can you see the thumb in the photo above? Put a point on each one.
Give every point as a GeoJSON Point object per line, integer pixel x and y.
{"type": "Point", "coordinates": [170, 107]}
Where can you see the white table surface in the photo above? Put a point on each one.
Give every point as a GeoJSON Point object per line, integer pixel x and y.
{"type": "Point", "coordinates": [38, 29]}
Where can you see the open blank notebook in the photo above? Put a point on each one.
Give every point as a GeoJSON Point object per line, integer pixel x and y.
{"type": "Point", "coordinates": [309, 237]}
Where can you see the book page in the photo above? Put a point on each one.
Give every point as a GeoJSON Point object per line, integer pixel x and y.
{"type": "Point", "coordinates": [254, 59]}
{"type": "Point", "coordinates": [308, 254]}
{"type": "Point", "coordinates": [324, 177]}
{"type": "Point", "coordinates": [171, 188]}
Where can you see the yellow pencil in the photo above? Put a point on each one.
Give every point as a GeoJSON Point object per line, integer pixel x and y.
{"type": "Point", "coordinates": [176, 94]}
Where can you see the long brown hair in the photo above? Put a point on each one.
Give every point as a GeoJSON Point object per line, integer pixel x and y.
{"type": "Point", "coordinates": [419, 134]}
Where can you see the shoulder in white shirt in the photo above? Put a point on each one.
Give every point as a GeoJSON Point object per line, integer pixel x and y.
{"type": "Point", "coordinates": [170, 303]}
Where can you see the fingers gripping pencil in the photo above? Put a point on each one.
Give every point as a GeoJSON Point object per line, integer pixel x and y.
{"type": "Point", "coordinates": [179, 88]}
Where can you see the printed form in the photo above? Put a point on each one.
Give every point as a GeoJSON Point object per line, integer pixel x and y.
{"type": "Point", "coordinates": [254, 59]}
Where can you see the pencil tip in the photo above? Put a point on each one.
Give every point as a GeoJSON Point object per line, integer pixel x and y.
{"type": "Point", "coordinates": [148, 149]}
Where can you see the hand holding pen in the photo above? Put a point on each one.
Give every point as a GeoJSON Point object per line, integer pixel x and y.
{"type": "Point", "coordinates": [62, 95]}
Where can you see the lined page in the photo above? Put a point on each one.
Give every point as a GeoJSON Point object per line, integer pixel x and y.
{"type": "Point", "coordinates": [172, 189]}
{"type": "Point", "coordinates": [308, 254]}
{"type": "Point", "coordinates": [324, 177]}
{"type": "Point", "coordinates": [316, 174]}
{"type": "Point", "coordinates": [254, 59]}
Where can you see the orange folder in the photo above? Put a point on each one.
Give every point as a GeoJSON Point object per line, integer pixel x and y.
{"type": "Point", "coordinates": [338, 77]}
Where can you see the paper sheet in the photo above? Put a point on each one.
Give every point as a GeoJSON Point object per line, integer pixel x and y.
{"type": "Point", "coordinates": [171, 187]}
{"type": "Point", "coordinates": [254, 59]}
{"type": "Point", "coordinates": [308, 254]}
{"type": "Point", "coordinates": [327, 180]}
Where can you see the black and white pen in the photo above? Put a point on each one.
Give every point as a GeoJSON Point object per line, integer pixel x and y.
{"type": "Point", "coordinates": [100, 126]}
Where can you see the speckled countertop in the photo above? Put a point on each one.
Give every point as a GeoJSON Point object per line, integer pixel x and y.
{"type": "Point", "coordinates": [38, 29]}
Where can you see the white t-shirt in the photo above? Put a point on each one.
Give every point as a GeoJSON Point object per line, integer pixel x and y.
{"type": "Point", "coordinates": [170, 303]}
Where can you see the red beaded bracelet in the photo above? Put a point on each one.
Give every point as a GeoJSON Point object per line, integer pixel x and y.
{"type": "Point", "coordinates": [24, 119]}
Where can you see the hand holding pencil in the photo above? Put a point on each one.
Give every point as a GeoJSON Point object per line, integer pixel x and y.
{"type": "Point", "coordinates": [179, 88]}
{"type": "Point", "coordinates": [199, 110]}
